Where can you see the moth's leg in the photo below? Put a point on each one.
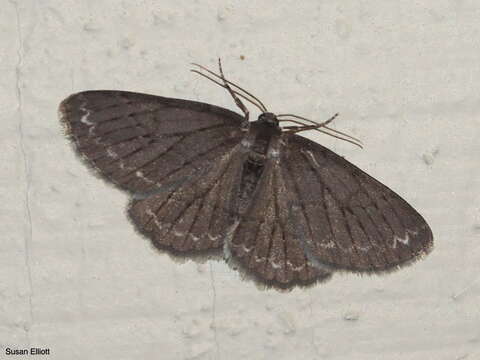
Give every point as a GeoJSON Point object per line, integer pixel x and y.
{"type": "Point", "coordinates": [232, 93]}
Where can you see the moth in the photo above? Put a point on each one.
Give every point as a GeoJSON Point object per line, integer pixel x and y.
{"type": "Point", "coordinates": [206, 180]}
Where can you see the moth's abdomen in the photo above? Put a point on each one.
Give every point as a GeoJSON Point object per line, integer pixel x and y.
{"type": "Point", "coordinates": [251, 173]}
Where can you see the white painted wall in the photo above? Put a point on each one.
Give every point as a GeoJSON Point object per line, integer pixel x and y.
{"type": "Point", "coordinates": [76, 278]}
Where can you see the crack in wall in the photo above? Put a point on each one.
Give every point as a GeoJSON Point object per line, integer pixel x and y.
{"type": "Point", "coordinates": [28, 229]}
{"type": "Point", "coordinates": [312, 332]}
{"type": "Point", "coordinates": [213, 324]}
{"type": "Point", "coordinates": [465, 289]}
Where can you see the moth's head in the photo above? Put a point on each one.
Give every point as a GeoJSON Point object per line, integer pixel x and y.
{"type": "Point", "coordinates": [268, 118]}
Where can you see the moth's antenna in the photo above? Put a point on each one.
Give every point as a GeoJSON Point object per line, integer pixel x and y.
{"type": "Point", "coordinates": [320, 124]}
{"type": "Point", "coordinates": [259, 104]}
{"type": "Point", "coordinates": [304, 118]}
{"type": "Point", "coordinates": [263, 107]}
{"type": "Point", "coordinates": [222, 85]}
{"type": "Point", "coordinates": [234, 96]}
{"type": "Point", "coordinates": [295, 129]}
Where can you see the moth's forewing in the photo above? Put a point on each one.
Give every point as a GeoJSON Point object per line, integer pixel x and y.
{"type": "Point", "coordinates": [141, 142]}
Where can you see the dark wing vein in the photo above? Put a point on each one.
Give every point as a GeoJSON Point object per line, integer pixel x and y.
{"type": "Point", "coordinates": [343, 206]}
{"type": "Point", "coordinates": [190, 161]}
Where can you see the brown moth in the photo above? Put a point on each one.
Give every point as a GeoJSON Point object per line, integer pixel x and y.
{"type": "Point", "coordinates": [206, 180]}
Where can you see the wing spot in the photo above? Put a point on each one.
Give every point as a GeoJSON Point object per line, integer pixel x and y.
{"type": "Point", "coordinates": [275, 265]}
{"type": "Point", "coordinates": [194, 238]}
{"type": "Point", "coordinates": [328, 245]}
{"type": "Point", "coordinates": [246, 144]}
{"type": "Point", "coordinates": [405, 240]}
{"type": "Point", "coordinates": [260, 259]}
{"type": "Point", "coordinates": [154, 217]}
{"type": "Point", "coordinates": [397, 239]}
{"type": "Point", "coordinates": [363, 248]}
{"type": "Point", "coordinates": [213, 238]}
{"type": "Point", "coordinates": [312, 157]}
{"type": "Point", "coordinates": [86, 115]}
{"type": "Point", "coordinates": [295, 268]}
{"type": "Point", "coordinates": [273, 154]}
{"type": "Point", "coordinates": [112, 153]}
{"type": "Point", "coordinates": [246, 249]}
{"type": "Point", "coordinates": [84, 118]}
{"type": "Point", "coordinates": [140, 174]}
{"type": "Point", "coordinates": [178, 233]}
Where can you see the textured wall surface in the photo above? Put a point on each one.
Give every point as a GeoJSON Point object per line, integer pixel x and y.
{"type": "Point", "coordinates": [76, 278]}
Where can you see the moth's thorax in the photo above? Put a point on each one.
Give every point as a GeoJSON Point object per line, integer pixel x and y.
{"type": "Point", "coordinates": [268, 118]}
{"type": "Point", "coordinates": [262, 133]}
